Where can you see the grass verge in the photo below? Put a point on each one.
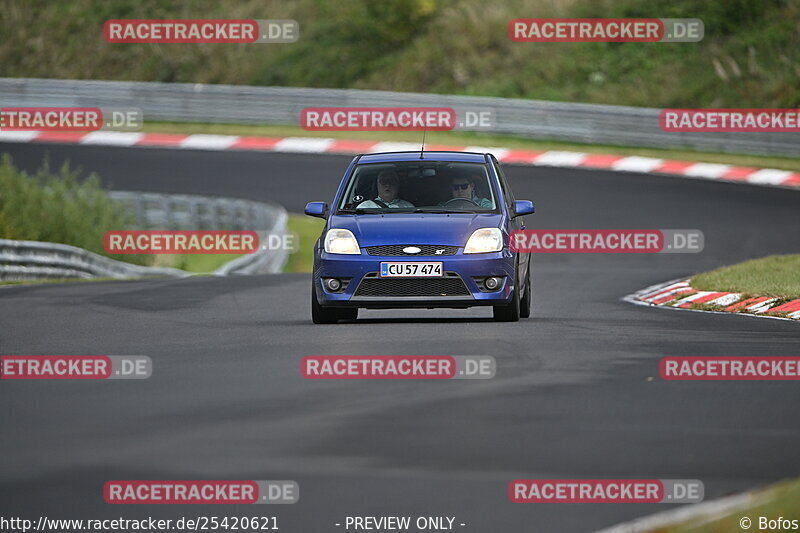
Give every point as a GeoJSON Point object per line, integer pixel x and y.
{"type": "Point", "coordinates": [775, 276]}
{"type": "Point", "coordinates": [772, 503]}
{"type": "Point", "coordinates": [476, 138]}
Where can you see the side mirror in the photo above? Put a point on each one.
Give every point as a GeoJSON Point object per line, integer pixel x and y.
{"type": "Point", "coordinates": [523, 207]}
{"type": "Point", "coordinates": [316, 209]}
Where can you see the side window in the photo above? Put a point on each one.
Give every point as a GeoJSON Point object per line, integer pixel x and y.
{"type": "Point", "coordinates": [508, 196]}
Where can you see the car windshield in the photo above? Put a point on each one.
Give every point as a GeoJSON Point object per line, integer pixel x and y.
{"type": "Point", "coordinates": [419, 186]}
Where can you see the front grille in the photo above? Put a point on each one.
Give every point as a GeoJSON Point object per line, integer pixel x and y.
{"type": "Point", "coordinates": [397, 249]}
{"type": "Point", "coordinates": [449, 285]}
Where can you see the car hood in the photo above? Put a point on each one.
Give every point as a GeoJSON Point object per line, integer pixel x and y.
{"type": "Point", "coordinates": [418, 228]}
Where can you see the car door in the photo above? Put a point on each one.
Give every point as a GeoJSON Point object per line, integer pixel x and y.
{"type": "Point", "coordinates": [516, 223]}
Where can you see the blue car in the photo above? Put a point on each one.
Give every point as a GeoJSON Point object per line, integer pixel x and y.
{"type": "Point", "coordinates": [420, 230]}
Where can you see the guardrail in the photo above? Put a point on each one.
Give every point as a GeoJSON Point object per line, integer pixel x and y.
{"type": "Point", "coordinates": [32, 260]}
{"type": "Point", "coordinates": [194, 212]}
{"type": "Point", "coordinates": [232, 104]}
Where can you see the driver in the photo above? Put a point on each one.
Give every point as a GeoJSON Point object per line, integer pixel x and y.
{"type": "Point", "coordinates": [388, 188]}
{"type": "Point", "coordinates": [464, 187]}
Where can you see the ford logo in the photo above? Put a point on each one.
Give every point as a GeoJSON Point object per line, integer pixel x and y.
{"type": "Point", "coordinates": [411, 250]}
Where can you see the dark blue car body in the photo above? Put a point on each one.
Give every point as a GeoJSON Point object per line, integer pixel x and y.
{"type": "Point", "coordinates": [440, 237]}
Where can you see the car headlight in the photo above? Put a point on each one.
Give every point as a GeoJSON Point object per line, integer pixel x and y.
{"type": "Point", "coordinates": [484, 240]}
{"type": "Point", "coordinates": [341, 241]}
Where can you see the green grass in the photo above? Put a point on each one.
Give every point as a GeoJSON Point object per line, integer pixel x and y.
{"type": "Point", "coordinates": [779, 500]}
{"type": "Point", "coordinates": [776, 276]}
{"type": "Point", "coordinates": [308, 230]}
{"type": "Point", "coordinates": [481, 139]}
{"type": "Point", "coordinates": [750, 56]}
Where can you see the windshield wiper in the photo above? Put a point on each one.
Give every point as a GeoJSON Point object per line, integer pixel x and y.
{"type": "Point", "coordinates": [429, 210]}
{"type": "Point", "coordinates": [375, 210]}
{"type": "Point", "coordinates": [361, 211]}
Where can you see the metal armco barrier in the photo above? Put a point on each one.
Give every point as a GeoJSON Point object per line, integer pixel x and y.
{"type": "Point", "coordinates": [583, 123]}
{"type": "Point", "coordinates": [193, 212]}
{"type": "Point", "coordinates": [32, 260]}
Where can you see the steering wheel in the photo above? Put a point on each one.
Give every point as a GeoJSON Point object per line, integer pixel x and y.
{"type": "Point", "coordinates": [454, 200]}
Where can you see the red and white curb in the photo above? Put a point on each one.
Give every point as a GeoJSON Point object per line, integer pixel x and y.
{"type": "Point", "coordinates": [311, 145]}
{"type": "Point", "coordinates": [679, 294]}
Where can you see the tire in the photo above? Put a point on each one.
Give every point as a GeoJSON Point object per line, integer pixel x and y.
{"type": "Point", "coordinates": [319, 314]}
{"type": "Point", "coordinates": [508, 312]}
{"type": "Point", "coordinates": [525, 303]}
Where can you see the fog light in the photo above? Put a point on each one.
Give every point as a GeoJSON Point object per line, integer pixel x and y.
{"type": "Point", "coordinates": [491, 283]}
{"type": "Point", "coordinates": [333, 284]}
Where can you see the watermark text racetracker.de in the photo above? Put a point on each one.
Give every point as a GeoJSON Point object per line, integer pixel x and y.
{"type": "Point", "coordinates": [745, 368]}
{"type": "Point", "coordinates": [396, 118]}
{"type": "Point", "coordinates": [627, 241]}
{"type": "Point", "coordinates": [606, 30]}
{"type": "Point", "coordinates": [75, 367]}
{"type": "Point", "coordinates": [195, 31]}
{"type": "Point", "coordinates": [201, 492]}
{"type": "Point", "coordinates": [606, 491]}
{"type": "Point", "coordinates": [70, 119]}
{"type": "Point", "coordinates": [398, 367]}
{"type": "Point", "coordinates": [180, 242]}
{"type": "Point", "coordinates": [730, 120]}
{"type": "Point", "coordinates": [197, 241]}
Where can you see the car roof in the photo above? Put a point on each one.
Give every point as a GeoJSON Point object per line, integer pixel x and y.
{"type": "Point", "coordinates": [391, 157]}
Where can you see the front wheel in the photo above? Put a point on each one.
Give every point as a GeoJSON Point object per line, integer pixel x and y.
{"type": "Point", "coordinates": [525, 303]}
{"type": "Point", "coordinates": [508, 312]}
{"type": "Point", "coordinates": [319, 314]}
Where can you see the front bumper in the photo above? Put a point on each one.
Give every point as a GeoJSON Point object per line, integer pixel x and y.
{"type": "Point", "coordinates": [364, 285]}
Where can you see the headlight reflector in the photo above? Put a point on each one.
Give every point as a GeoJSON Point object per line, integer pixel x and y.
{"type": "Point", "coordinates": [484, 240]}
{"type": "Point", "coordinates": [341, 241]}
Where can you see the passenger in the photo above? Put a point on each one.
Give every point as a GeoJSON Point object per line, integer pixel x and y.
{"type": "Point", "coordinates": [464, 187]}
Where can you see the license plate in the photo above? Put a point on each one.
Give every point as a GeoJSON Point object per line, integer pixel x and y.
{"type": "Point", "coordinates": [411, 270]}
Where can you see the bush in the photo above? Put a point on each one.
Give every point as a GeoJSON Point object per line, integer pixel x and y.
{"type": "Point", "coordinates": [58, 207]}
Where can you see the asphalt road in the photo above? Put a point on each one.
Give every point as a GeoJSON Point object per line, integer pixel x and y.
{"type": "Point", "coordinates": [577, 392]}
